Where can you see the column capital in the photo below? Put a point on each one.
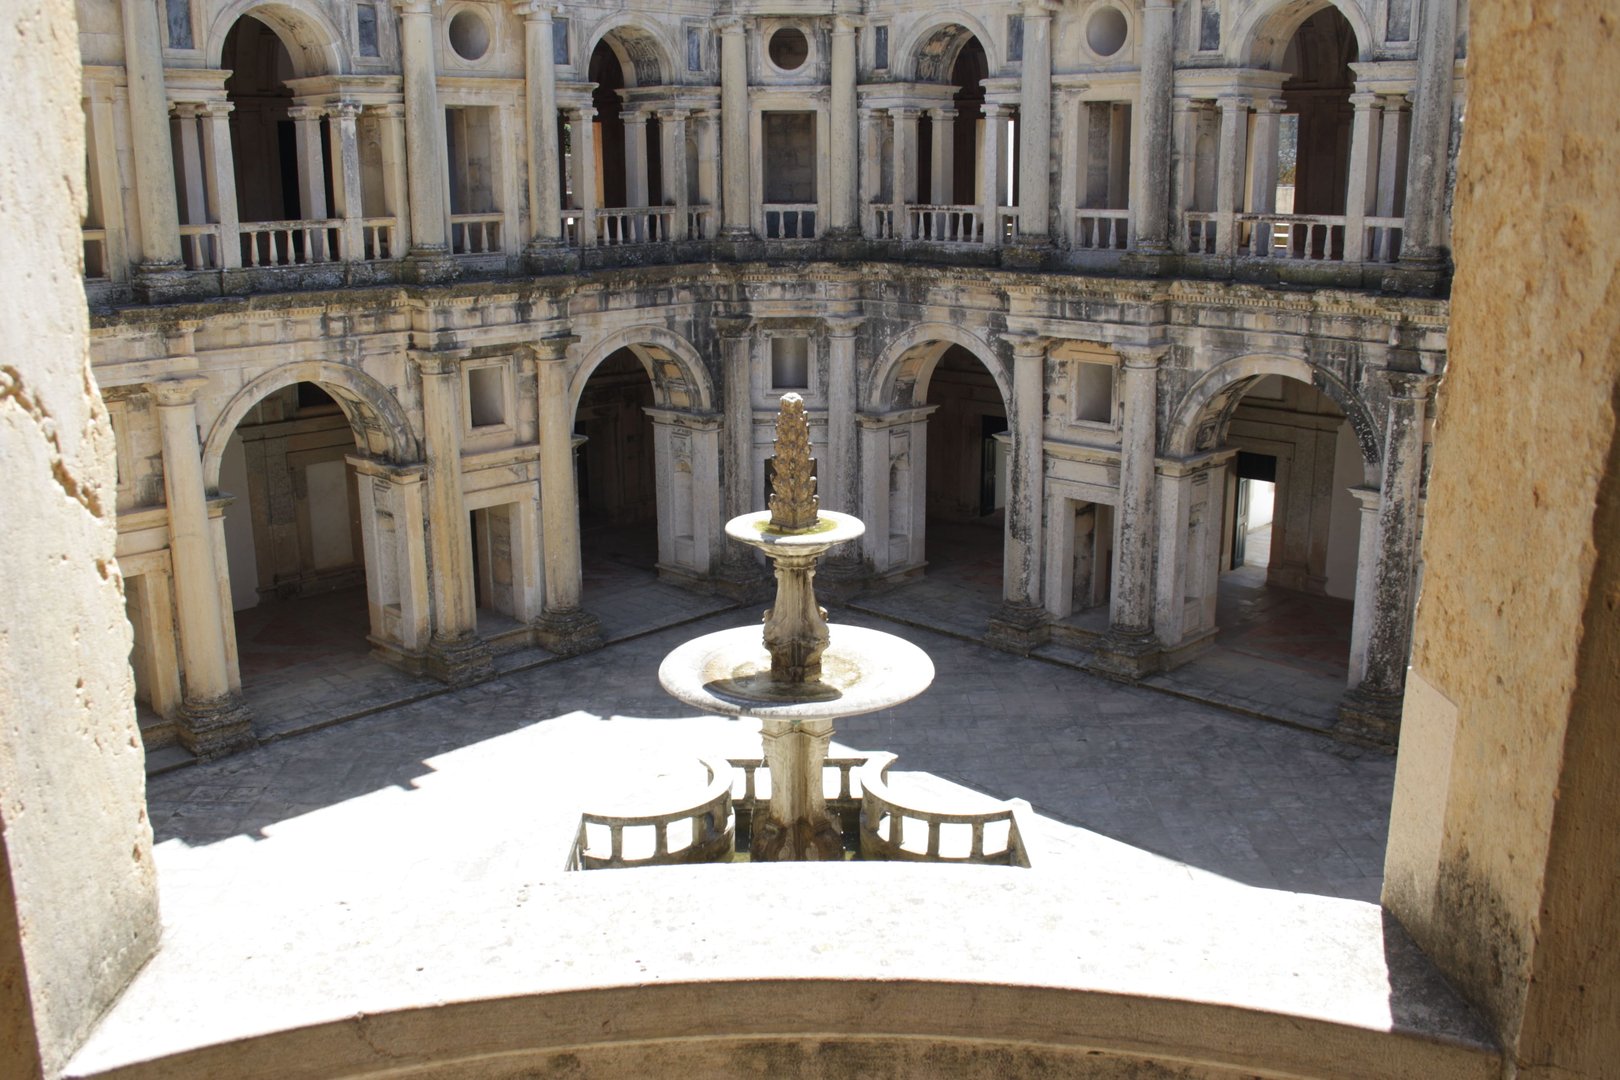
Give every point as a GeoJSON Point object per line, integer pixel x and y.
{"type": "Point", "coordinates": [1143, 357]}
{"type": "Point", "coordinates": [843, 326]}
{"type": "Point", "coordinates": [1039, 9]}
{"type": "Point", "coordinates": [436, 361]}
{"type": "Point", "coordinates": [995, 110]}
{"type": "Point", "coordinates": [415, 7]}
{"type": "Point", "coordinates": [1394, 102]}
{"type": "Point", "coordinates": [534, 10]}
{"type": "Point", "coordinates": [672, 112]}
{"type": "Point", "coordinates": [1409, 385]}
{"type": "Point", "coordinates": [305, 113]}
{"type": "Point", "coordinates": [1234, 102]}
{"type": "Point", "coordinates": [392, 111]}
{"type": "Point", "coordinates": [583, 113]}
{"type": "Point", "coordinates": [174, 390]}
{"type": "Point", "coordinates": [218, 108]}
{"type": "Point", "coordinates": [1370, 498]}
{"type": "Point", "coordinates": [554, 348]}
{"type": "Point", "coordinates": [731, 24]}
{"type": "Point", "coordinates": [1028, 346]}
{"type": "Point", "coordinates": [188, 110]}
{"type": "Point", "coordinates": [1185, 105]}
{"type": "Point", "coordinates": [844, 25]}
{"type": "Point", "coordinates": [633, 114]}
{"type": "Point", "coordinates": [733, 327]}
{"type": "Point", "coordinates": [347, 109]}
{"type": "Point", "coordinates": [943, 112]}
{"type": "Point", "coordinates": [1363, 100]}
{"type": "Point", "coordinates": [1269, 105]}
{"type": "Point", "coordinates": [905, 112]}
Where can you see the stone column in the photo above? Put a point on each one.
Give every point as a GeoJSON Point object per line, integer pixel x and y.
{"type": "Point", "coordinates": [672, 146]}
{"type": "Point", "coordinates": [871, 167]}
{"type": "Point", "coordinates": [739, 569]}
{"type": "Point", "coordinates": [1021, 623]}
{"type": "Point", "coordinates": [1362, 188]}
{"type": "Point", "coordinates": [456, 654]}
{"type": "Point", "coordinates": [565, 627]}
{"type": "Point", "coordinates": [424, 139]}
{"type": "Point", "coordinates": [1158, 84]}
{"type": "Point", "coordinates": [1366, 582]}
{"type": "Point", "coordinates": [149, 142]}
{"type": "Point", "coordinates": [708, 148]}
{"type": "Point", "coordinates": [1373, 709]}
{"type": "Point", "coordinates": [844, 167]}
{"type": "Point", "coordinates": [837, 472]}
{"type": "Point", "coordinates": [193, 193]}
{"type": "Point", "coordinates": [1035, 129]}
{"type": "Point", "coordinates": [396, 186]}
{"type": "Point", "coordinates": [311, 172]}
{"type": "Point", "coordinates": [1183, 188]}
{"type": "Point", "coordinates": [1424, 244]}
{"type": "Point", "coordinates": [540, 100]}
{"type": "Point", "coordinates": [635, 161]}
{"type": "Point", "coordinates": [1229, 181]}
{"type": "Point", "coordinates": [346, 189]}
{"type": "Point", "coordinates": [213, 720]}
{"type": "Point", "coordinates": [583, 130]}
{"type": "Point", "coordinates": [103, 147]}
{"type": "Point", "coordinates": [220, 179]}
{"type": "Point", "coordinates": [1267, 122]}
{"type": "Point", "coordinates": [734, 128]}
{"type": "Point", "coordinates": [1391, 171]}
{"type": "Point", "coordinates": [1129, 649]}
{"type": "Point", "coordinates": [904, 169]}
{"type": "Point", "coordinates": [992, 170]}
{"type": "Point", "coordinates": [943, 164]}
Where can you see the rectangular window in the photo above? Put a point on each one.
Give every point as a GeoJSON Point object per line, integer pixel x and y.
{"type": "Point", "coordinates": [559, 41]}
{"type": "Point", "coordinates": [486, 396]}
{"type": "Point", "coordinates": [1015, 37]}
{"type": "Point", "coordinates": [367, 16]}
{"type": "Point", "coordinates": [179, 12]}
{"type": "Point", "coordinates": [790, 363]}
{"type": "Point", "coordinates": [1209, 26]}
{"type": "Point", "coordinates": [1094, 393]}
{"type": "Point", "coordinates": [694, 48]}
{"type": "Point", "coordinates": [880, 47]}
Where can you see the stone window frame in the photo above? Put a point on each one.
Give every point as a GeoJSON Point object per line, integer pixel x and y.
{"type": "Point", "coordinates": [450, 59]}
{"type": "Point", "coordinates": [813, 391]}
{"type": "Point", "coordinates": [385, 50]}
{"type": "Point", "coordinates": [706, 50]}
{"type": "Point", "coordinates": [508, 398]}
{"type": "Point", "coordinates": [888, 59]}
{"type": "Point", "coordinates": [1071, 355]}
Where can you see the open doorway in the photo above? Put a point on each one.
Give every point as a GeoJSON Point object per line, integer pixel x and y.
{"type": "Point", "coordinates": [615, 475]}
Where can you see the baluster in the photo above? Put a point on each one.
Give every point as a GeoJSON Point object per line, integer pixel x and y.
{"type": "Point", "coordinates": [616, 850]}
{"type": "Point", "coordinates": [977, 851]}
{"type": "Point", "coordinates": [933, 839]}
{"type": "Point", "coordinates": [661, 839]}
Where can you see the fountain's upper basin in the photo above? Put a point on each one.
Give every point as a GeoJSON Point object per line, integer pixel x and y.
{"type": "Point", "coordinates": [728, 673]}
{"type": "Point", "coordinates": [832, 528]}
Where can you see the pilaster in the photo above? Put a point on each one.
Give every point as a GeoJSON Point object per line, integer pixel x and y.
{"type": "Point", "coordinates": [1021, 624]}
{"type": "Point", "coordinates": [564, 627]}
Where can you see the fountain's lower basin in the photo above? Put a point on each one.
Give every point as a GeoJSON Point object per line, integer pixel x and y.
{"type": "Point", "coordinates": [728, 673]}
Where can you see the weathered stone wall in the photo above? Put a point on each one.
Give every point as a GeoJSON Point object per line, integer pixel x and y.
{"type": "Point", "coordinates": [1506, 874]}
{"type": "Point", "coordinates": [78, 901]}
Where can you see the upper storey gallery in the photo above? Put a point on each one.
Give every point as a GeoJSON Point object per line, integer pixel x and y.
{"type": "Point", "coordinates": [254, 145]}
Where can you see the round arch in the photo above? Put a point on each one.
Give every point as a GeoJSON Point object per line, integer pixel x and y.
{"type": "Point", "coordinates": [312, 39]}
{"type": "Point", "coordinates": [680, 381]}
{"type": "Point", "coordinates": [379, 423]}
{"type": "Point", "coordinates": [643, 52]}
{"type": "Point", "coordinates": [1200, 417]}
{"type": "Point", "coordinates": [1261, 37]}
{"type": "Point", "coordinates": [900, 377]}
{"type": "Point", "coordinates": [929, 53]}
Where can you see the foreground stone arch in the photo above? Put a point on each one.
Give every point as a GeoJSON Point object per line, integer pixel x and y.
{"type": "Point", "coordinates": [312, 39]}
{"type": "Point", "coordinates": [1260, 38]}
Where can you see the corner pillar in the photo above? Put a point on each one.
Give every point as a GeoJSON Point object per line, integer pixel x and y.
{"type": "Point", "coordinates": [1158, 83]}
{"type": "Point", "coordinates": [1035, 129]}
{"type": "Point", "coordinates": [564, 627]}
{"type": "Point", "coordinates": [540, 99]}
{"type": "Point", "coordinates": [155, 202]}
{"type": "Point", "coordinates": [734, 128]}
{"type": "Point", "coordinates": [1021, 624]}
{"type": "Point", "coordinates": [424, 138]}
{"type": "Point", "coordinates": [844, 168]}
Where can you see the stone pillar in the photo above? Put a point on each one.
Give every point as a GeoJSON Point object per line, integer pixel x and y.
{"type": "Point", "coordinates": [583, 130]}
{"type": "Point", "coordinates": [739, 569]}
{"type": "Point", "coordinates": [456, 654]}
{"type": "Point", "coordinates": [213, 720]}
{"type": "Point", "coordinates": [871, 167]}
{"type": "Point", "coordinates": [1373, 709]}
{"type": "Point", "coordinates": [1229, 181]}
{"type": "Point", "coordinates": [1366, 582]}
{"type": "Point", "coordinates": [844, 167]}
{"type": "Point", "coordinates": [1362, 188]}
{"type": "Point", "coordinates": [1267, 122]}
{"type": "Point", "coordinates": [904, 170]}
{"type": "Point", "coordinates": [149, 142]}
{"type": "Point", "coordinates": [1021, 624]}
{"type": "Point", "coordinates": [346, 189]}
{"type": "Point", "coordinates": [735, 157]}
{"type": "Point", "coordinates": [565, 627]}
{"type": "Point", "coordinates": [943, 164]}
{"type": "Point", "coordinates": [708, 148]}
{"type": "Point", "coordinates": [192, 192]}
{"type": "Point", "coordinates": [837, 488]}
{"type": "Point", "coordinates": [1424, 244]}
{"type": "Point", "coordinates": [1390, 199]}
{"type": "Point", "coordinates": [1129, 649]}
{"type": "Point", "coordinates": [103, 152]}
{"type": "Point", "coordinates": [424, 141]}
{"type": "Point", "coordinates": [396, 186]}
{"type": "Point", "coordinates": [540, 99]}
{"type": "Point", "coordinates": [311, 172]}
{"type": "Point", "coordinates": [1035, 129]}
{"type": "Point", "coordinates": [1154, 123]}
{"type": "Point", "coordinates": [992, 171]}
{"type": "Point", "coordinates": [635, 162]}
{"type": "Point", "coordinates": [1183, 182]}
{"type": "Point", "coordinates": [672, 146]}
{"type": "Point", "coordinates": [220, 179]}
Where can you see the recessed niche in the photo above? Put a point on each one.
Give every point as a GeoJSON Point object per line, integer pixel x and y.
{"type": "Point", "coordinates": [1106, 31]}
{"type": "Point", "coordinates": [789, 48]}
{"type": "Point", "coordinates": [469, 35]}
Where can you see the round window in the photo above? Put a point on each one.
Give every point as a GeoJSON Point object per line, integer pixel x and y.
{"type": "Point", "coordinates": [1105, 31]}
{"type": "Point", "coordinates": [469, 35]}
{"type": "Point", "coordinates": [789, 49]}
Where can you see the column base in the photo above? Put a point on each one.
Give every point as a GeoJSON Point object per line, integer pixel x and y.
{"type": "Point", "coordinates": [1028, 252]}
{"type": "Point", "coordinates": [549, 257]}
{"type": "Point", "coordinates": [1018, 628]}
{"type": "Point", "coordinates": [161, 283]}
{"type": "Point", "coordinates": [212, 729]}
{"type": "Point", "coordinates": [839, 579]}
{"type": "Point", "coordinates": [568, 633]}
{"type": "Point", "coordinates": [1127, 655]}
{"type": "Point", "coordinates": [1369, 718]}
{"type": "Point", "coordinates": [429, 266]}
{"type": "Point", "coordinates": [743, 579]}
{"type": "Point", "coordinates": [459, 661]}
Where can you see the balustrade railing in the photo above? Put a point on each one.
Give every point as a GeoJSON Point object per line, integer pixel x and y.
{"type": "Point", "coordinates": [1007, 224]}
{"type": "Point", "coordinates": [1106, 230]}
{"type": "Point", "coordinates": [1311, 237]}
{"type": "Point", "coordinates": [990, 836]}
{"type": "Point", "coordinates": [377, 238]}
{"type": "Point", "coordinates": [619, 225]}
{"type": "Point", "coordinates": [1383, 239]}
{"type": "Point", "coordinates": [286, 243]}
{"type": "Point", "coordinates": [476, 234]}
{"type": "Point", "coordinates": [702, 831]}
{"type": "Point", "coordinates": [945, 224]}
{"type": "Point", "coordinates": [699, 222]}
{"type": "Point", "coordinates": [1201, 232]}
{"type": "Point", "coordinates": [200, 247]}
{"type": "Point", "coordinates": [96, 267]}
{"type": "Point", "coordinates": [790, 221]}
{"type": "Point", "coordinates": [882, 221]}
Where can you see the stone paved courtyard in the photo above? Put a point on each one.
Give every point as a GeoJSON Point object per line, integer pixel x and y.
{"type": "Point", "coordinates": [1210, 791]}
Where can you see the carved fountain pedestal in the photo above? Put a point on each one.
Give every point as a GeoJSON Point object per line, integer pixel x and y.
{"type": "Point", "coordinates": [800, 675]}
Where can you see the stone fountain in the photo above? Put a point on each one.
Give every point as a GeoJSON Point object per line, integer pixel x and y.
{"type": "Point", "coordinates": [803, 675]}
